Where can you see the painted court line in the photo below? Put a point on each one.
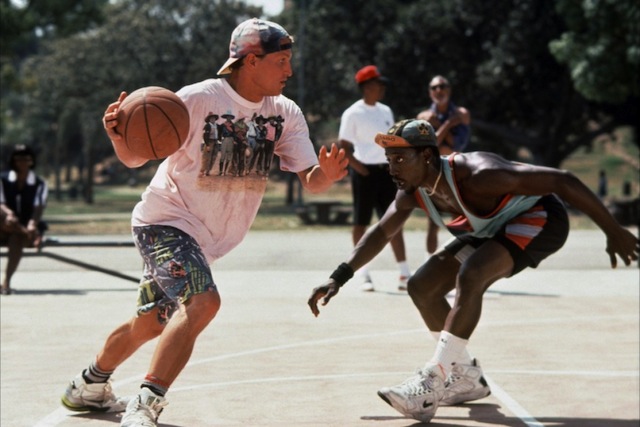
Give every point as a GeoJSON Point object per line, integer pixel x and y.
{"type": "Point", "coordinates": [512, 405]}
{"type": "Point", "coordinates": [59, 415]}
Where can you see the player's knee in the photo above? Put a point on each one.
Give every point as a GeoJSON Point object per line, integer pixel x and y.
{"type": "Point", "coordinates": [203, 307]}
{"type": "Point", "coordinates": [421, 289]}
{"type": "Point", "coordinates": [471, 280]}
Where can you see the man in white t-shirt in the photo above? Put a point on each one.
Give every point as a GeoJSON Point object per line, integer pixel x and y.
{"type": "Point", "coordinates": [186, 220]}
{"type": "Point", "coordinates": [371, 184]}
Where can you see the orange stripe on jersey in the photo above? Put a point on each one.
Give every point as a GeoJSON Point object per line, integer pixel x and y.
{"type": "Point", "coordinates": [524, 228]}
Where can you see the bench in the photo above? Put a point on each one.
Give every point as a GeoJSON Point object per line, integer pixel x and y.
{"type": "Point", "coordinates": [54, 242]}
{"type": "Point", "coordinates": [626, 211]}
{"type": "Point", "coordinates": [324, 212]}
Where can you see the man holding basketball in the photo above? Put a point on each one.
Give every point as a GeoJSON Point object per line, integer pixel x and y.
{"type": "Point", "coordinates": [187, 220]}
{"type": "Point", "coordinates": [509, 216]}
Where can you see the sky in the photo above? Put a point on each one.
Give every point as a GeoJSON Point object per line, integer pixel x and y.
{"type": "Point", "coordinates": [270, 7]}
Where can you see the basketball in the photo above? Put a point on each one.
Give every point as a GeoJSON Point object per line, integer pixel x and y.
{"type": "Point", "coordinates": [153, 121]}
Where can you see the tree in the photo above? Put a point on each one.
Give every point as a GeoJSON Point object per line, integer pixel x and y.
{"type": "Point", "coordinates": [495, 53]}
{"type": "Point", "coordinates": [142, 43]}
{"type": "Point", "coordinates": [601, 47]}
{"type": "Point", "coordinates": [24, 28]}
{"type": "Point", "coordinates": [517, 65]}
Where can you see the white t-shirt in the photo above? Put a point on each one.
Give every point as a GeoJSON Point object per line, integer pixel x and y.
{"type": "Point", "coordinates": [219, 210]}
{"type": "Point", "coordinates": [359, 125]}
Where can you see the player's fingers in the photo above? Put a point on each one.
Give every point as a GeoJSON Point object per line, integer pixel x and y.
{"type": "Point", "coordinates": [314, 309]}
{"type": "Point", "coordinates": [336, 153]}
{"type": "Point", "coordinates": [612, 258]}
{"type": "Point", "coordinates": [323, 151]}
{"type": "Point", "coordinates": [112, 109]}
{"type": "Point", "coordinates": [313, 303]}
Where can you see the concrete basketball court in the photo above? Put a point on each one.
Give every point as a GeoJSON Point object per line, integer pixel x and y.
{"type": "Point", "coordinates": [559, 344]}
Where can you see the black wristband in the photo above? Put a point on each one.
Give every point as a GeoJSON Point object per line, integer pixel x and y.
{"type": "Point", "coordinates": [342, 274]}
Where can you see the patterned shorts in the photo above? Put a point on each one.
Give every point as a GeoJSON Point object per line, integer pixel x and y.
{"type": "Point", "coordinates": [529, 237]}
{"type": "Point", "coordinates": [174, 269]}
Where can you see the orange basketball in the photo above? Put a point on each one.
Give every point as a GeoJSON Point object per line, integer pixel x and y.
{"type": "Point", "coordinates": [153, 121]}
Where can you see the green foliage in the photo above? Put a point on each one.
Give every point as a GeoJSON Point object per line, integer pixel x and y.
{"type": "Point", "coordinates": [601, 47]}
{"type": "Point", "coordinates": [70, 59]}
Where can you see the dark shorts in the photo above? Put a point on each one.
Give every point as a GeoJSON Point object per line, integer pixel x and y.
{"type": "Point", "coordinates": [374, 191]}
{"type": "Point", "coordinates": [530, 237]}
{"type": "Point", "coordinates": [175, 269]}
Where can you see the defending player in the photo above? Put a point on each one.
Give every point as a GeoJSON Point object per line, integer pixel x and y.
{"type": "Point", "coordinates": [508, 216]}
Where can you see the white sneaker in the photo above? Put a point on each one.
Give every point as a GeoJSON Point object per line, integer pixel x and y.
{"type": "Point", "coordinates": [96, 397]}
{"type": "Point", "coordinates": [402, 283]}
{"type": "Point", "coordinates": [367, 286]}
{"type": "Point", "coordinates": [143, 410]}
{"type": "Point", "coordinates": [418, 396]}
{"type": "Point", "coordinates": [464, 384]}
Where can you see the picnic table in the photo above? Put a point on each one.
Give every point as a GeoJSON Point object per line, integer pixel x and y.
{"type": "Point", "coordinates": [324, 212]}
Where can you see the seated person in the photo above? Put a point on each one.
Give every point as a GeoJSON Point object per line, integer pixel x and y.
{"type": "Point", "coordinates": [23, 197]}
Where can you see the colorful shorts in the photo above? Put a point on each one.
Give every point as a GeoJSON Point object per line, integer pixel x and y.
{"type": "Point", "coordinates": [529, 237]}
{"type": "Point", "coordinates": [174, 269]}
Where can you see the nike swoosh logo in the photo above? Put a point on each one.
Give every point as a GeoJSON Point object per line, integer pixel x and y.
{"type": "Point", "coordinates": [426, 404]}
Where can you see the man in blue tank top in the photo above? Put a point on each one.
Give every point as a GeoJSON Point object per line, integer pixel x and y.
{"type": "Point", "coordinates": [451, 123]}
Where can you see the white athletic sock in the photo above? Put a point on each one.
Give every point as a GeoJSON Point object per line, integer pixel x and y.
{"type": "Point", "coordinates": [404, 269]}
{"type": "Point", "coordinates": [448, 351]}
{"type": "Point", "coordinates": [464, 359]}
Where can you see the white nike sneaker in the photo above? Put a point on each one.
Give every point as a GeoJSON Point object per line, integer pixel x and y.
{"type": "Point", "coordinates": [464, 384]}
{"type": "Point", "coordinates": [143, 410]}
{"type": "Point", "coordinates": [95, 397]}
{"type": "Point", "coordinates": [417, 397]}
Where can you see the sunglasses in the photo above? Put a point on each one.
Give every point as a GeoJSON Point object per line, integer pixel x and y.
{"type": "Point", "coordinates": [441, 86]}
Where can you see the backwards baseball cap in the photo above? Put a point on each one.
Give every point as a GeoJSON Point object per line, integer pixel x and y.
{"type": "Point", "coordinates": [408, 133]}
{"type": "Point", "coordinates": [369, 72]}
{"type": "Point", "coordinates": [258, 37]}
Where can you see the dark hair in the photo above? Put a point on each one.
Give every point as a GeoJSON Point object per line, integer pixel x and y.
{"type": "Point", "coordinates": [21, 150]}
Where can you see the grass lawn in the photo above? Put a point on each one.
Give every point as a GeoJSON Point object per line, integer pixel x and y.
{"type": "Point", "coordinates": [109, 214]}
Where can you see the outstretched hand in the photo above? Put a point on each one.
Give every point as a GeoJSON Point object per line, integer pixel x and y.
{"type": "Point", "coordinates": [324, 292]}
{"type": "Point", "coordinates": [624, 244]}
{"type": "Point", "coordinates": [333, 162]}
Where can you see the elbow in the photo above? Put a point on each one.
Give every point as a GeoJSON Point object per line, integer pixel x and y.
{"type": "Point", "coordinates": [567, 184]}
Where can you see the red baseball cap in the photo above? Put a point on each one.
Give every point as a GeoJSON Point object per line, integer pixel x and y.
{"type": "Point", "coordinates": [369, 72]}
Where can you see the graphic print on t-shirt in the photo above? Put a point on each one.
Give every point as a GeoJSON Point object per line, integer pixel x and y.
{"type": "Point", "coordinates": [237, 152]}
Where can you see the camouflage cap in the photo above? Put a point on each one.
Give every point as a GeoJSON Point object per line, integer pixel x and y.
{"type": "Point", "coordinates": [258, 37]}
{"type": "Point", "coordinates": [408, 133]}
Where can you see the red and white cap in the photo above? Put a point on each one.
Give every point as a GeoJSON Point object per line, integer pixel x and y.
{"type": "Point", "coordinates": [258, 37]}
